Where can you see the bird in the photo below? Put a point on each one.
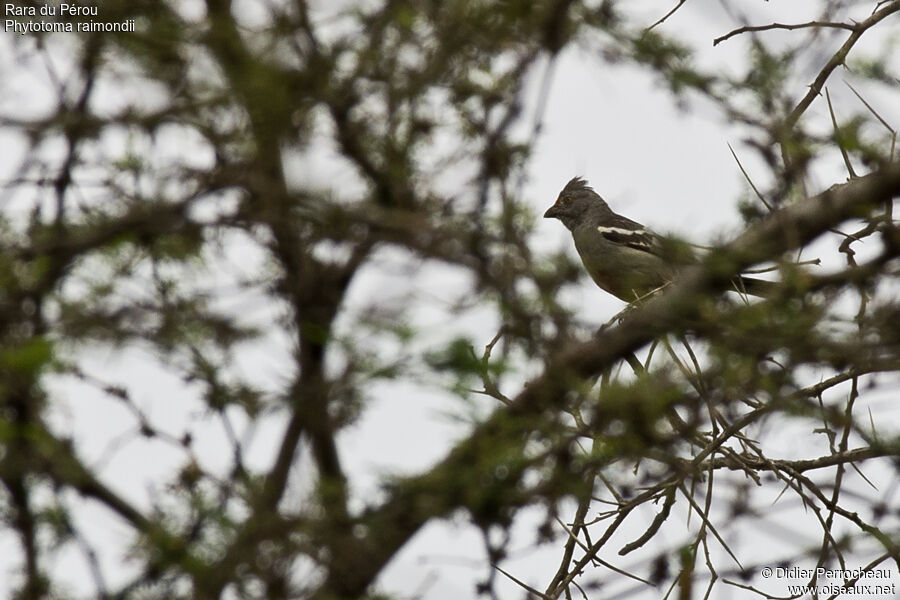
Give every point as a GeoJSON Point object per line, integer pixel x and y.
{"type": "Point", "coordinates": [623, 257]}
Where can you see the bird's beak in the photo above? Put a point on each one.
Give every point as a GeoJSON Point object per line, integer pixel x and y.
{"type": "Point", "coordinates": [552, 212]}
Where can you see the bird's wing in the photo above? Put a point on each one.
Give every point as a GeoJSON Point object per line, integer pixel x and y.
{"type": "Point", "coordinates": [624, 231]}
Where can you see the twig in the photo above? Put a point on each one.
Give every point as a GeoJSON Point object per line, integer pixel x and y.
{"type": "Point", "coordinates": [877, 116]}
{"type": "Point", "coordinates": [750, 181]}
{"type": "Point", "coordinates": [522, 584]}
{"type": "Point", "coordinates": [665, 17]}
{"type": "Point", "coordinates": [708, 525]}
{"type": "Point", "coordinates": [872, 110]}
{"type": "Point", "coordinates": [836, 60]}
{"type": "Point", "coordinates": [788, 26]}
{"type": "Point", "coordinates": [658, 520]}
{"type": "Point", "coordinates": [837, 135]}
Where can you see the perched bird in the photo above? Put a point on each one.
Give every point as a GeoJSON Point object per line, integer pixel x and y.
{"type": "Point", "coordinates": [622, 256]}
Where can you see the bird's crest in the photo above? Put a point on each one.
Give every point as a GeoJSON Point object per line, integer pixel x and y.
{"type": "Point", "coordinates": [577, 184]}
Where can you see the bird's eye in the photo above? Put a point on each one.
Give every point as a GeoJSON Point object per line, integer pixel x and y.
{"type": "Point", "coordinates": [567, 200]}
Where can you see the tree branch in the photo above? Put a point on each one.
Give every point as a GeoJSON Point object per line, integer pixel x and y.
{"type": "Point", "coordinates": [421, 498]}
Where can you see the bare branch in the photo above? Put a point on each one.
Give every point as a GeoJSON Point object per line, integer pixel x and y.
{"type": "Point", "coordinates": [810, 24]}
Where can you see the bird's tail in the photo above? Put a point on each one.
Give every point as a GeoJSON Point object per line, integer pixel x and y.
{"type": "Point", "coordinates": [755, 287]}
